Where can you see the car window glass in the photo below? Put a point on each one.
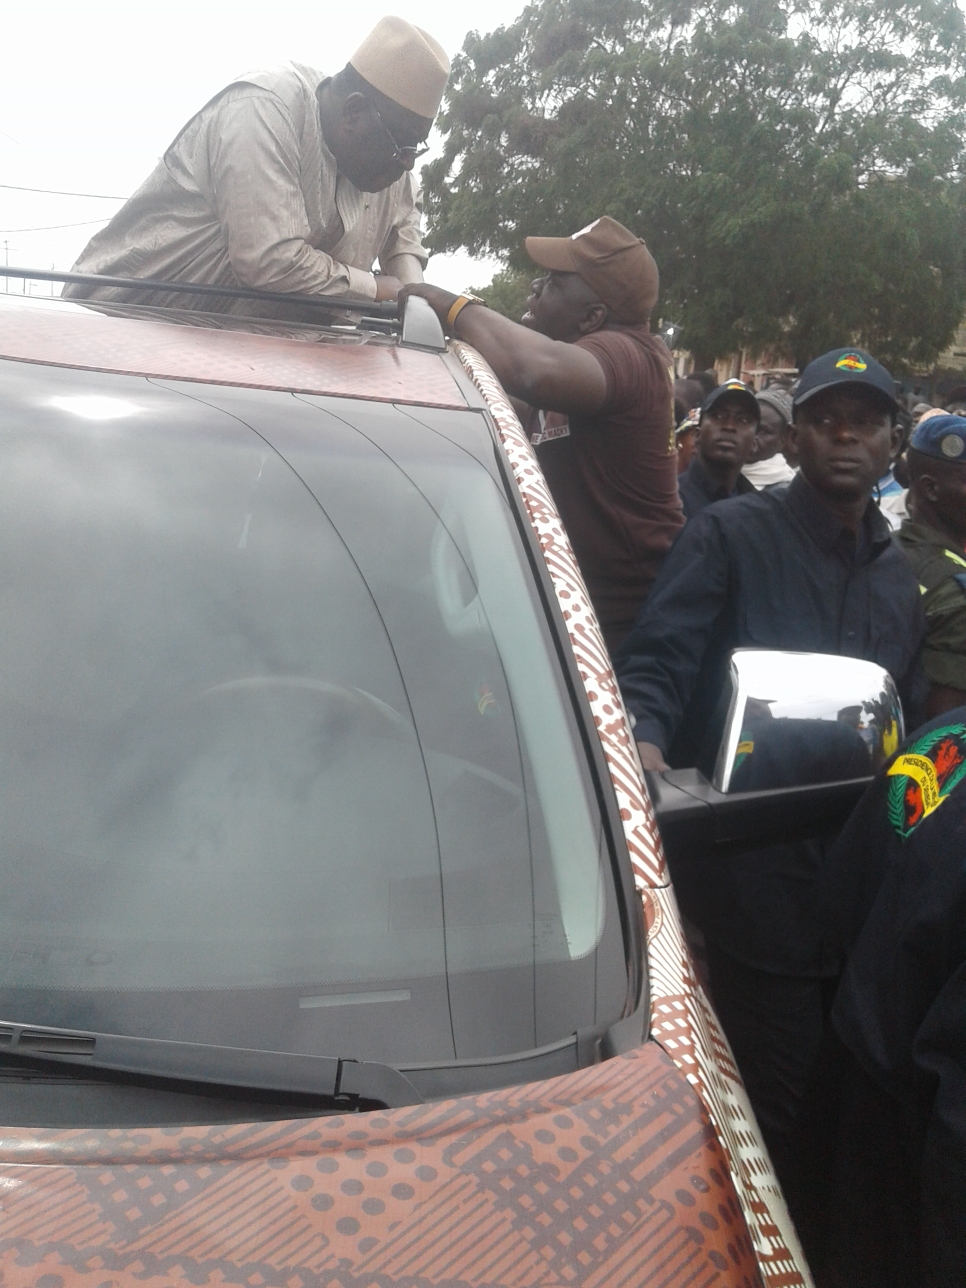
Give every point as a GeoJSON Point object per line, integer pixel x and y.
{"type": "Point", "coordinates": [286, 757]}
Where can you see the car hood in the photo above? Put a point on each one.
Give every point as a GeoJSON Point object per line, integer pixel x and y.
{"type": "Point", "coordinates": [585, 1179]}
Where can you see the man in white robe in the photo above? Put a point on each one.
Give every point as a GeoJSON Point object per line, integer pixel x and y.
{"type": "Point", "coordinates": [286, 181]}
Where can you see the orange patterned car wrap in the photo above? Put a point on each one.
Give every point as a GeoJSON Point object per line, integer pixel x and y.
{"type": "Point", "coordinates": [607, 1178]}
{"type": "Point", "coordinates": [643, 1171]}
{"type": "Point", "coordinates": [69, 335]}
{"type": "Point", "coordinates": [681, 1017]}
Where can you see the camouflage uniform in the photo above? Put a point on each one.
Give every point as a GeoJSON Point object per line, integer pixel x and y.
{"type": "Point", "coordinates": [941, 568]}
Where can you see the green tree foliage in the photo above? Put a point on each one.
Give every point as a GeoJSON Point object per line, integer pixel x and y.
{"type": "Point", "coordinates": [796, 166]}
{"type": "Point", "coordinates": [508, 292]}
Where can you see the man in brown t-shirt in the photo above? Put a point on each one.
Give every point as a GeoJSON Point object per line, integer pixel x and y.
{"type": "Point", "coordinates": [599, 392]}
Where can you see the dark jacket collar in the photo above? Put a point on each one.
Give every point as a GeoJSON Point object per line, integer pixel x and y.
{"type": "Point", "coordinates": [825, 527]}
{"type": "Point", "coordinates": [705, 482]}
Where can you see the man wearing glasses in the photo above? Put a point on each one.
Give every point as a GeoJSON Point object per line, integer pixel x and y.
{"type": "Point", "coordinates": [287, 181]}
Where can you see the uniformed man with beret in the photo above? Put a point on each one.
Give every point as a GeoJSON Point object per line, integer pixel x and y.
{"type": "Point", "coordinates": [287, 181]}
{"type": "Point", "coordinates": [934, 538]}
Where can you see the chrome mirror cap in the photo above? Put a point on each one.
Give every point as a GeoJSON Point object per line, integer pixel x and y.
{"type": "Point", "coordinates": [809, 717]}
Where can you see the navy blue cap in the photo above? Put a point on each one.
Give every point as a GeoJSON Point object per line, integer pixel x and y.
{"type": "Point", "coordinates": [845, 367]}
{"type": "Point", "coordinates": [734, 387]}
{"type": "Point", "coordinates": [941, 436]}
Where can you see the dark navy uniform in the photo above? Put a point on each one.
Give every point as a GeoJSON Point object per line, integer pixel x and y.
{"type": "Point", "coordinates": [892, 1100]}
{"type": "Point", "coordinates": [699, 488]}
{"type": "Point", "coordinates": [774, 570]}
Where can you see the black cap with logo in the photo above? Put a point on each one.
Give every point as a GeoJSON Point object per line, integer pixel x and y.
{"type": "Point", "coordinates": [736, 389]}
{"type": "Point", "coordinates": [845, 367]}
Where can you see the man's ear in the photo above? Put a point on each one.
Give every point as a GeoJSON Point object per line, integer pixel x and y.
{"type": "Point", "coordinates": [354, 108]}
{"type": "Point", "coordinates": [928, 488]}
{"type": "Point", "coordinates": [593, 319]}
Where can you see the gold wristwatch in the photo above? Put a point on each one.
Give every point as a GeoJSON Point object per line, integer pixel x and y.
{"type": "Point", "coordinates": [457, 307]}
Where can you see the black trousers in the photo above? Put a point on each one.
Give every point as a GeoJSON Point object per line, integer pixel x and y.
{"type": "Point", "coordinates": [859, 1162]}
{"type": "Point", "coordinates": [776, 1026]}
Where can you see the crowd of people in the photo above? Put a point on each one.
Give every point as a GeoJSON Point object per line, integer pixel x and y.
{"type": "Point", "coordinates": [826, 517]}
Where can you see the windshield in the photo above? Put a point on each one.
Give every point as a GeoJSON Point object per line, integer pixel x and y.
{"type": "Point", "coordinates": [286, 758]}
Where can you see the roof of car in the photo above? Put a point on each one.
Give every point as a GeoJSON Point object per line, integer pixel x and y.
{"type": "Point", "coordinates": [298, 358]}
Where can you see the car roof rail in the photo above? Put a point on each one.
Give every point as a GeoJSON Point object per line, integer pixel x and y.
{"type": "Point", "coordinates": [421, 328]}
{"type": "Point", "coordinates": [325, 303]}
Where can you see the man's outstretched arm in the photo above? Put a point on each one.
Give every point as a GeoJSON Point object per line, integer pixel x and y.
{"type": "Point", "coordinates": [545, 373]}
{"type": "Point", "coordinates": [659, 662]}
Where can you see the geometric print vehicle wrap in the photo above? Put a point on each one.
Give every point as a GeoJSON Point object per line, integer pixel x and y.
{"type": "Point", "coordinates": [645, 1169]}
{"type": "Point", "coordinates": [611, 1177]}
{"type": "Point", "coordinates": [682, 1019]}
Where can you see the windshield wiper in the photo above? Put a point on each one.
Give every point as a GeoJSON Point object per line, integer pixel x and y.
{"type": "Point", "coordinates": [326, 1077]}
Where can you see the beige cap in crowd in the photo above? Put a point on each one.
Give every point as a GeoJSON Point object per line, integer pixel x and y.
{"type": "Point", "coordinates": [405, 63]}
{"type": "Point", "coordinates": [614, 263]}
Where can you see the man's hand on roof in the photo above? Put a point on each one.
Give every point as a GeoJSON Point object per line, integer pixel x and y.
{"type": "Point", "coordinates": [440, 301]}
{"type": "Point", "coordinates": [387, 288]}
{"type": "Point", "coordinates": [542, 372]}
{"type": "Point", "coordinates": [652, 757]}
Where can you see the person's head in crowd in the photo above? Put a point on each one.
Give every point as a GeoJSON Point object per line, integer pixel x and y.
{"type": "Point", "coordinates": [708, 380]}
{"type": "Point", "coordinates": [899, 475]}
{"type": "Point", "coordinates": [377, 112]}
{"type": "Point", "coordinates": [602, 276]}
{"type": "Point", "coordinates": [955, 407]}
{"type": "Point", "coordinates": [691, 391]}
{"type": "Point", "coordinates": [726, 431]}
{"type": "Point", "coordinates": [685, 440]}
{"type": "Point", "coordinates": [919, 409]}
{"type": "Point", "coordinates": [685, 392]}
{"type": "Point", "coordinates": [900, 467]}
{"type": "Point", "coordinates": [844, 427]}
{"type": "Point", "coordinates": [936, 462]}
{"type": "Point", "coordinates": [775, 408]}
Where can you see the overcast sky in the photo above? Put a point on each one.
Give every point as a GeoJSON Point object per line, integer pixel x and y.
{"type": "Point", "coordinates": [91, 94]}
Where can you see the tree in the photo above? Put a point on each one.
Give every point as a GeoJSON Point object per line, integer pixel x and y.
{"type": "Point", "coordinates": [796, 166]}
{"type": "Point", "coordinates": [508, 292]}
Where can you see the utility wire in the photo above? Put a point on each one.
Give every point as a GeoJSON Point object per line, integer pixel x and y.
{"type": "Point", "coordinates": [44, 228]}
{"type": "Point", "coordinates": [56, 192]}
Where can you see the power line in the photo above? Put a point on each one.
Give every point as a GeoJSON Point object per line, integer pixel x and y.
{"type": "Point", "coordinates": [46, 228]}
{"type": "Point", "coordinates": [56, 192]}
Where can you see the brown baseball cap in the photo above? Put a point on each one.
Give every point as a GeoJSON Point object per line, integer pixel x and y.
{"type": "Point", "coordinates": [611, 260]}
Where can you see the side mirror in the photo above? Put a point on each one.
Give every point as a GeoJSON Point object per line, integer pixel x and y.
{"type": "Point", "coordinates": [804, 734]}
{"type": "Point", "coordinates": [801, 718]}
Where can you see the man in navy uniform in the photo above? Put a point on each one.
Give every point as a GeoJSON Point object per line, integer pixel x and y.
{"type": "Point", "coordinates": [810, 568]}
{"type": "Point", "coordinates": [885, 1125]}
{"type": "Point", "coordinates": [727, 424]}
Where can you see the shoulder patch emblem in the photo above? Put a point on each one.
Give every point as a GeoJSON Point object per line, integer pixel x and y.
{"type": "Point", "coordinates": [924, 776]}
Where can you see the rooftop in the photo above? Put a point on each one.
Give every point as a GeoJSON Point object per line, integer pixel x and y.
{"type": "Point", "coordinates": [228, 350]}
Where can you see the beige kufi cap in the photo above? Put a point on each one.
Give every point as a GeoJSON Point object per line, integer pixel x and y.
{"type": "Point", "coordinates": [405, 63]}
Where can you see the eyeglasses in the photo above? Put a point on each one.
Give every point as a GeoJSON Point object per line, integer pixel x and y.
{"type": "Point", "coordinates": [405, 155]}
